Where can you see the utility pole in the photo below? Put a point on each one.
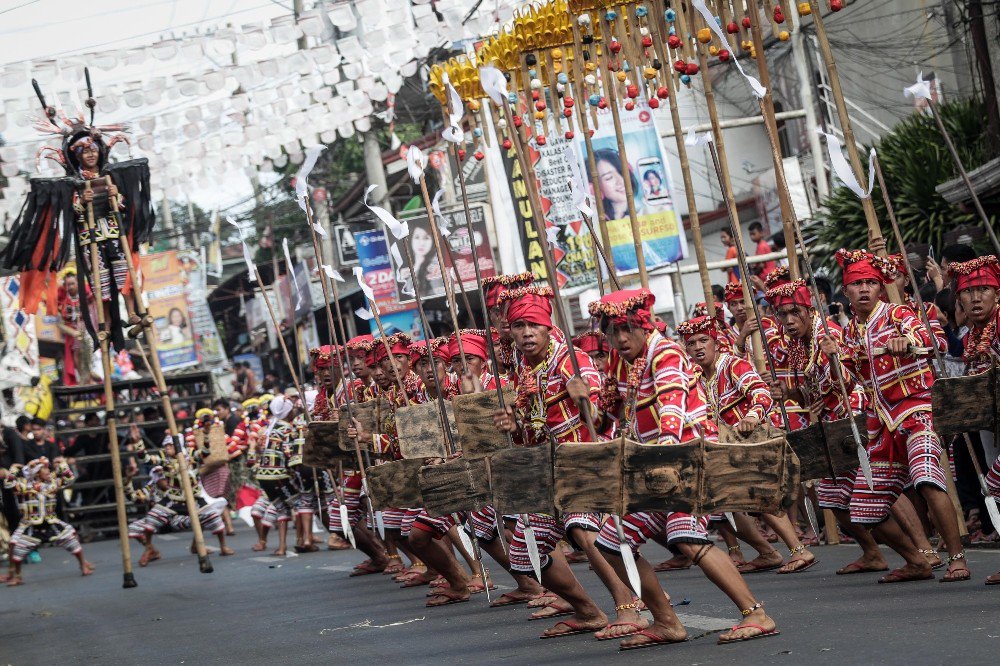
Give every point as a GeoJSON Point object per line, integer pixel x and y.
{"type": "Point", "coordinates": [981, 47]}
{"type": "Point", "coordinates": [803, 71]}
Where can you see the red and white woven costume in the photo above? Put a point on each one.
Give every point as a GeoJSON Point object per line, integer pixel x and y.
{"type": "Point", "coordinates": [902, 444]}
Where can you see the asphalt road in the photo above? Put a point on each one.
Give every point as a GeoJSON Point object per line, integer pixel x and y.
{"type": "Point", "coordinates": [305, 609]}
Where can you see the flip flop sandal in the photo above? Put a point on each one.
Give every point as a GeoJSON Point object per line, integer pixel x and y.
{"type": "Point", "coordinates": [575, 628]}
{"type": "Point", "coordinates": [993, 580]}
{"type": "Point", "coordinates": [893, 577]}
{"type": "Point", "coordinates": [450, 600]}
{"type": "Point", "coordinates": [635, 629]}
{"type": "Point", "coordinates": [751, 568]}
{"type": "Point", "coordinates": [559, 612]}
{"type": "Point", "coordinates": [506, 599]}
{"type": "Point", "coordinates": [957, 576]}
{"type": "Point", "coordinates": [808, 565]}
{"type": "Point", "coordinates": [415, 582]}
{"type": "Point", "coordinates": [855, 568]}
{"type": "Point", "coordinates": [666, 566]}
{"type": "Point", "coordinates": [542, 600]}
{"type": "Point", "coordinates": [653, 641]}
{"type": "Point", "coordinates": [764, 633]}
{"type": "Point", "coordinates": [367, 570]}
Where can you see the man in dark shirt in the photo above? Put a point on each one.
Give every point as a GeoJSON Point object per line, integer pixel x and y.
{"type": "Point", "coordinates": [225, 413]}
{"type": "Point", "coordinates": [35, 444]}
{"type": "Point", "coordinates": [90, 444]}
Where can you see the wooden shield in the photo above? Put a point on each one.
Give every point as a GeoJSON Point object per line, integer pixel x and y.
{"type": "Point", "coordinates": [364, 413]}
{"type": "Point", "coordinates": [964, 404]}
{"type": "Point", "coordinates": [321, 448]}
{"type": "Point", "coordinates": [809, 445]}
{"type": "Point", "coordinates": [419, 430]}
{"type": "Point", "coordinates": [219, 451]}
{"type": "Point", "coordinates": [843, 447]}
{"type": "Point", "coordinates": [749, 477]}
{"type": "Point", "coordinates": [588, 477]}
{"type": "Point", "coordinates": [457, 485]}
{"type": "Point", "coordinates": [662, 478]}
{"type": "Point", "coordinates": [522, 480]}
{"type": "Point", "coordinates": [395, 485]}
{"type": "Point", "coordinates": [474, 421]}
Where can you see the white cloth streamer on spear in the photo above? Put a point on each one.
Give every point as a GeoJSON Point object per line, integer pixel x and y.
{"type": "Point", "coordinates": [400, 230]}
{"type": "Point", "coordinates": [494, 84]}
{"type": "Point", "coordinates": [756, 86]}
{"type": "Point", "coordinates": [453, 133]}
{"type": "Point", "coordinates": [247, 256]}
{"type": "Point", "coordinates": [844, 171]}
{"type": "Point", "coordinates": [291, 270]}
{"type": "Point", "coordinates": [302, 177]}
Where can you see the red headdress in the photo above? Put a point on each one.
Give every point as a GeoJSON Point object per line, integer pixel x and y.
{"type": "Point", "coordinates": [532, 304]}
{"type": "Point", "coordinates": [733, 292]}
{"type": "Point", "coordinates": [979, 272]}
{"type": "Point", "coordinates": [473, 342]}
{"type": "Point", "coordinates": [359, 346]}
{"type": "Point", "coordinates": [438, 347]}
{"type": "Point", "coordinates": [863, 265]}
{"type": "Point", "coordinates": [322, 357]}
{"type": "Point", "coordinates": [778, 276]}
{"type": "Point", "coordinates": [592, 341]}
{"type": "Point", "coordinates": [399, 343]}
{"type": "Point", "coordinates": [701, 310]}
{"type": "Point", "coordinates": [626, 307]}
{"type": "Point", "coordinates": [790, 293]}
{"type": "Point", "coordinates": [698, 325]}
{"type": "Point", "coordinates": [494, 286]}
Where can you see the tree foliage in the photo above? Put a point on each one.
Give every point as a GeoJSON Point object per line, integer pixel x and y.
{"type": "Point", "coordinates": [915, 160]}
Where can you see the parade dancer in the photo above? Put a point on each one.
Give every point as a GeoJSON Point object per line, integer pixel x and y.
{"type": "Point", "coordinates": [170, 511]}
{"type": "Point", "coordinates": [270, 460]}
{"type": "Point", "coordinates": [149, 496]}
{"type": "Point", "coordinates": [977, 284]}
{"type": "Point", "coordinates": [883, 345]}
{"type": "Point", "coordinates": [36, 488]}
{"type": "Point", "coordinates": [214, 473]}
{"type": "Point", "coordinates": [740, 398]}
{"type": "Point", "coordinates": [653, 393]}
{"type": "Point", "coordinates": [549, 400]}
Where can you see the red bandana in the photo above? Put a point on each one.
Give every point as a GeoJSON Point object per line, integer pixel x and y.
{"type": "Point", "coordinates": [399, 343]}
{"type": "Point", "coordinates": [701, 310]}
{"type": "Point", "coordinates": [360, 345]}
{"type": "Point", "coordinates": [322, 357]}
{"type": "Point", "coordinates": [498, 284]}
{"type": "Point", "coordinates": [979, 272]}
{"type": "Point", "coordinates": [532, 304]}
{"type": "Point", "coordinates": [626, 307]}
{"type": "Point", "coordinates": [698, 325]}
{"type": "Point", "coordinates": [790, 293]}
{"type": "Point", "coordinates": [439, 348]}
{"type": "Point", "coordinates": [734, 292]}
{"type": "Point", "coordinates": [863, 265]}
{"type": "Point", "coordinates": [778, 276]}
{"type": "Point", "coordinates": [473, 342]}
{"type": "Point", "coordinates": [592, 341]}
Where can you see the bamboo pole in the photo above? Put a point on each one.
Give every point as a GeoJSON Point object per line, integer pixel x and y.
{"type": "Point", "coordinates": [874, 231]}
{"type": "Point", "coordinates": [103, 335]}
{"type": "Point", "coordinates": [152, 339]}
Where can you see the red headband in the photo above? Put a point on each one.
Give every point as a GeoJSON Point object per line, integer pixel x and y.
{"type": "Point", "coordinates": [322, 357]}
{"type": "Point", "coordinates": [498, 284]}
{"type": "Point", "coordinates": [863, 265]}
{"type": "Point", "coordinates": [592, 341]}
{"type": "Point", "coordinates": [532, 304]}
{"type": "Point", "coordinates": [359, 346]}
{"type": "Point", "coordinates": [399, 343]}
{"type": "Point", "coordinates": [979, 272]}
{"type": "Point", "coordinates": [790, 293]}
{"type": "Point", "coordinates": [697, 326]}
{"type": "Point", "coordinates": [473, 342]}
{"type": "Point", "coordinates": [701, 310]}
{"type": "Point", "coordinates": [438, 346]}
{"type": "Point", "coordinates": [626, 307]}
{"type": "Point", "coordinates": [734, 292]}
{"type": "Point", "coordinates": [778, 276]}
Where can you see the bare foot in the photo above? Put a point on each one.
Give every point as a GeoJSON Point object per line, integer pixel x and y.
{"type": "Point", "coordinates": [226, 550]}
{"type": "Point", "coordinates": [280, 552]}
{"type": "Point", "coordinates": [657, 634]}
{"type": "Point", "coordinates": [864, 564]}
{"type": "Point", "coordinates": [14, 581]}
{"type": "Point", "coordinates": [908, 573]}
{"type": "Point", "coordinates": [994, 579]}
{"type": "Point", "coordinates": [577, 624]}
{"type": "Point", "coordinates": [259, 546]}
{"type": "Point", "coordinates": [149, 555]}
{"type": "Point", "coordinates": [800, 560]}
{"type": "Point", "coordinates": [86, 569]}
{"type": "Point", "coordinates": [764, 562]}
{"type": "Point", "coordinates": [555, 609]}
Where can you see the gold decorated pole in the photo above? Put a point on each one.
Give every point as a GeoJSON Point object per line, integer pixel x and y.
{"type": "Point", "coordinates": [874, 231]}
{"type": "Point", "coordinates": [673, 83]}
{"type": "Point", "coordinates": [103, 336]}
{"type": "Point", "coordinates": [718, 151]}
{"type": "Point", "coordinates": [152, 339]}
{"type": "Point", "coordinates": [771, 127]}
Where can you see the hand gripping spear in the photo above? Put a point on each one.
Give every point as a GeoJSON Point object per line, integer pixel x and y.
{"type": "Point", "coordinates": [553, 278]}
{"type": "Point", "coordinates": [942, 368]}
{"type": "Point", "coordinates": [838, 371]}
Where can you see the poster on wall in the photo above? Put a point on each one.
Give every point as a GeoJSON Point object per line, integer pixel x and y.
{"type": "Point", "coordinates": [373, 257]}
{"type": "Point", "coordinates": [208, 343]}
{"type": "Point", "coordinates": [466, 253]}
{"type": "Point", "coordinates": [403, 321]}
{"type": "Point", "coordinates": [19, 361]}
{"type": "Point", "coordinates": [167, 294]}
{"type": "Point", "coordinates": [663, 238]}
